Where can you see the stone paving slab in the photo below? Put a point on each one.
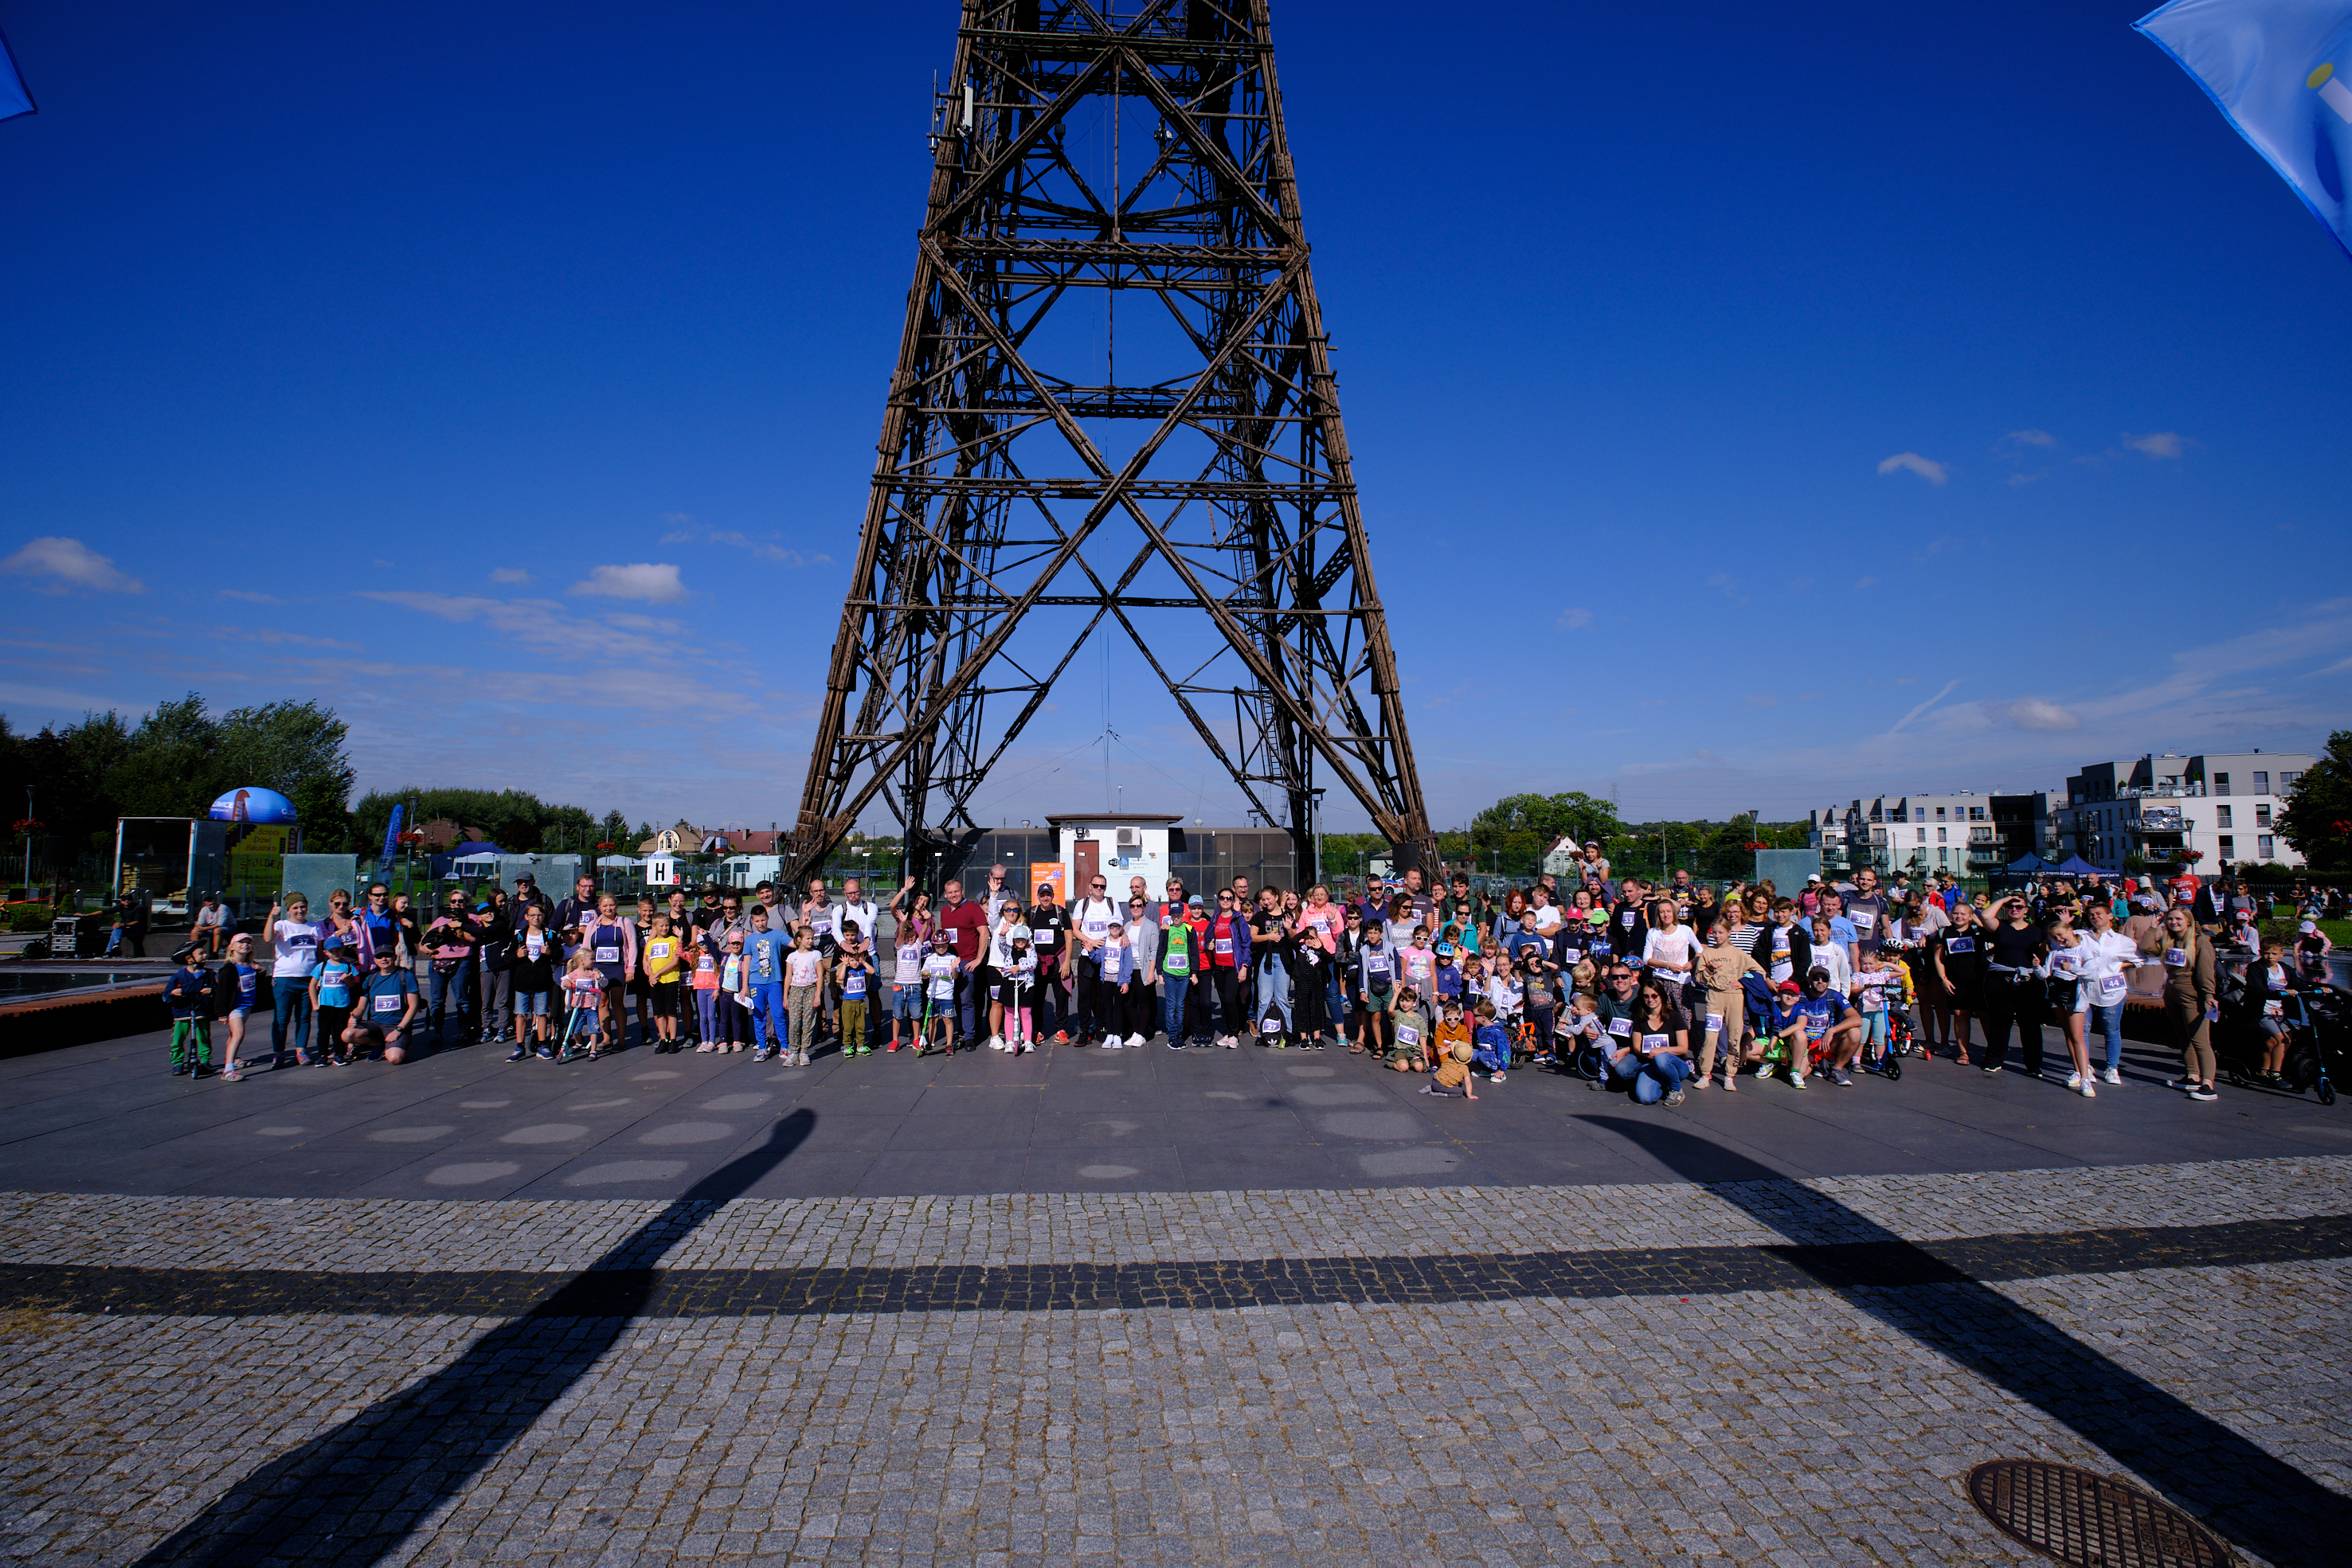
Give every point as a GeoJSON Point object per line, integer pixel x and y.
{"type": "Point", "coordinates": [466, 1122]}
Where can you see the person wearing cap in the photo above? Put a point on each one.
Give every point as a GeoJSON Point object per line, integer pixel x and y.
{"type": "Point", "coordinates": [2312, 947]}
{"type": "Point", "coordinates": [386, 1006]}
{"type": "Point", "coordinates": [334, 983]}
{"type": "Point", "coordinates": [188, 992]}
{"type": "Point", "coordinates": [943, 982]}
{"type": "Point", "coordinates": [1049, 930]}
{"type": "Point", "coordinates": [526, 893]}
{"type": "Point", "coordinates": [1822, 1025]}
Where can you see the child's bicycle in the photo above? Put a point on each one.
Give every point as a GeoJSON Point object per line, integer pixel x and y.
{"type": "Point", "coordinates": [1900, 1043]}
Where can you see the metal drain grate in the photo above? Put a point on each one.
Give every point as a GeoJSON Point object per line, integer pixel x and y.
{"type": "Point", "coordinates": [2089, 1520]}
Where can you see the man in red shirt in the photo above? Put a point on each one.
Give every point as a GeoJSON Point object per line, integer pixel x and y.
{"type": "Point", "coordinates": [968, 924]}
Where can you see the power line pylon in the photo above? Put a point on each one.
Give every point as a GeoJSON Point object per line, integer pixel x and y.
{"type": "Point", "coordinates": [1052, 466]}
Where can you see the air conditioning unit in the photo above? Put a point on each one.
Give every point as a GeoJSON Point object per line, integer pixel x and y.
{"type": "Point", "coordinates": [1130, 839]}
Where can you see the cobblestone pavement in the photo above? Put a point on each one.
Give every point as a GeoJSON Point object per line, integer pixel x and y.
{"type": "Point", "coordinates": [1792, 1424]}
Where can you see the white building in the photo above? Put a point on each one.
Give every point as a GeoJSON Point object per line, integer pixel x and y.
{"type": "Point", "coordinates": [2224, 806]}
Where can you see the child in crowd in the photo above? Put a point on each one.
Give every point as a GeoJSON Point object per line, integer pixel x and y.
{"type": "Point", "coordinates": [1420, 963]}
{"type": "Point", "coordinates": [1410, 1041]}
{"type": "Point", "coordinates": [1874, 986]}
{"type": "Point", "coordinates": [906, 987]}
{"type": "Point", "coordinates": [1541, 998]}
{"type": "Point", "coordinates": [706, 996]}
{"type": "Point", "coordinates": [239, 984]}
{"type": "Point", "coordinates": [583, 999]}
{"type": "Point", "coordinates": [1491, 1044]}
{"type": "Point", "coordinates": [536, 956]}
{"type": "Point", "coordinates": [941, 972]}
{"type": "Point", "coordinates": [853, 973]}
{"type": "Point", "coordinates": [189, 994]}
{"type": "Point", "coordinates": [1450, 1079]}
{"type": "Point", "coordinates": [1507, 992]}
{"type": "Point", "coordinates": [1452, 1030]}
{"type": "Point", "coordinates": [1019, 977]}
{"type": "Point", "coordinates": [331, 986]}
{"type": "Point", "coordinates": [662, 968]}
{"type": "Point", "coordinates": [1446, 985]}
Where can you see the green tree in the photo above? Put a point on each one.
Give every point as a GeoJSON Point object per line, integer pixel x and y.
{"type": "Point", "coordinates": [2319, 817]}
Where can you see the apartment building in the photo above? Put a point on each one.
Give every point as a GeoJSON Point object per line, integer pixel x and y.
{"type": "Point", "coordinates": [2224, 807]}
{"type": "Point", "coordinates": [1966, 834]}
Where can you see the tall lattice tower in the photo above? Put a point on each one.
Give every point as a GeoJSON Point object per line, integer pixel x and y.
{"type": "Point", "coordinates": [1113, 402]}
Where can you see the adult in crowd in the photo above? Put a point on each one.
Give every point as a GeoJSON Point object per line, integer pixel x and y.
{"type": "Point", "coordinates": [2190, 992]}
{"type": "Point", "coordinates": [450, 943]}
{"type": "Point", "coordinates": [2109, 958]}
{"type": "Point", "coordinates": [2013, 992]}
{"type": "Point", "coordinates": [1958, 956]}
{"type": "Point", "coordinates": [209, 928]}
{"type": "Point", "coordinates": [1049, 931]}
{"type": "Point", "coordinates": [965, 923]}
{"type": "Point", "coordinates": [294, 948]}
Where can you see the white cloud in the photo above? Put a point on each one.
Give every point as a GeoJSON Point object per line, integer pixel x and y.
{"type": "Point", "coordinates": [69, 564]}
{"type": "Point", "coordinates": [2162, 444]}
{"type": "Point", "coordinates": [1865, 584]}
{"type": "Point", "coordinates": [513, 574]}
{"type": "Point", "coordinates": [1933, 472]}
{"type": "Point", "coordinates": [2042, 438]}
{"type": "Point", "coordinates": [654, 582]}
{"type": "Point", "coordinates": [685, 531]}
{"type": "Point", "coordinates": [250, 597]}
{"type": "Point", "coordinates": [2036, 713]}
{"type": "Point", "coordinates": [1575, 619]}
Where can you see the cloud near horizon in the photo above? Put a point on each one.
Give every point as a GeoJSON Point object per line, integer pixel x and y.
{"type": "Point", "coordinates": [654, 582]}
{"type": "Point", "coordinates": [69, 564]}
{"type": "Point", "coordinates": [2160, 444]}
{"type": "Point", "coordinates": [1927, 468]}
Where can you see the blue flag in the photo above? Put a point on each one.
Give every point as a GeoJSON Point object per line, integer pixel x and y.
{"type": "Point", "coordinates": [14, 100]}
{"type": "Point", "coordinates": [391, 837]}
{"type": "Point", "coordinates": [2281, 72]}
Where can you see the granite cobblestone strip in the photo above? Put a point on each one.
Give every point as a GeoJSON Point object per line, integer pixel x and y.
{"type": "Point", "coordinates": [1213, 1285]}
{"type": "Point", "coordinates": [557, 1236]}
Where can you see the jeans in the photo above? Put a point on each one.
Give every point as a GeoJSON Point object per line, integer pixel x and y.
{"type": "Point", "coordinates": [442, 991]}
{"type": "Point", "coordinates": [768, 1016]}
{"type": "Point", "coordinates": [1172, 991]}
{"type": "Point", "coordinates": [1274, 991]}
{"type": "Point", "coordinates": [2110, 1021]}
{"type": "Point", "coordinates": [1491, 1060]}
{"type": "Point", "coordinates": [290, 997]}
{"type": "Point", "coordinates": [1663, 1074]}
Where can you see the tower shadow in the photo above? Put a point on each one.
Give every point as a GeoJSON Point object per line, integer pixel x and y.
{"type": "Point", "coordinates": [351, 1495]}
{"type": "Point", "coordinates": [2252, 1497]}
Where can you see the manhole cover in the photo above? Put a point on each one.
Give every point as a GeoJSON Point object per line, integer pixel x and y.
{"type": "Point", "coordinates": [2088, 1520]}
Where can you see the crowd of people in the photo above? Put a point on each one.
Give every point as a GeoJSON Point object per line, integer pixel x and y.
{"type": "Point", "coordinates": [1655, 989]}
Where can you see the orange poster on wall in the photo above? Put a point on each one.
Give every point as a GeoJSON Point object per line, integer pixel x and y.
{"type": "Point", "coordinates": [1043, 871]}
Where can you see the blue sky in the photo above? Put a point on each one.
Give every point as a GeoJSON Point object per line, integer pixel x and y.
{"type": "Point", "coordinates": [1813, 404]}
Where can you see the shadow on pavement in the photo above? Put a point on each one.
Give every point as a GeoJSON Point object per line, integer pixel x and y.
{"type": "Point", "coordinates": [351, 1495]}
{"type": "Point", "coordinates": [2252, 1497]}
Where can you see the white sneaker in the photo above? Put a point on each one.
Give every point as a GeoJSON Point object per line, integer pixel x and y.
{"type": "Point", "coordinates": [995, 1042]}
{"type": "Point", "coordinates": [2111, 1076]}
{"type": "Point", "coordinates": [1135, 1042]}
{"type": "Point", "coordinates": [2089, 1093]}
{"type": "Point", "coordinates": [1112, 1042]}
{"type": "Point", "coordinates": [2074, 1080]}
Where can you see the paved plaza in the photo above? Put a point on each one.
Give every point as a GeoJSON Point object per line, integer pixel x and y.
{"type": "Point", "coordinates": [1146, 1306]}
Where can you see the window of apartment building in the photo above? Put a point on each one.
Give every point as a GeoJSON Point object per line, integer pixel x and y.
{"type": "Point", "coordinates": [2229, 846]}
{"type": "Point", "coordinates": [2266, 851]}
{"type": "Point", "coordinates": [2220, 783]}
{"type": "Point", "coordinates": [2221, 817]}
{"type": "Point", "coordinates": [1943, 857]}
{"type": "Point", "coordinates": [2287, 781]}
{"type": "Point", "coordinates": [1976, 814]}
{"type": "Point", "coordinates": [1939, 813]}
{"type": "Point", "coordinates": [2263, 816]}
{"type": "Point", "coordinates": [2262, 783]}
{"type": "Point", "coordinates": [1943, 835]}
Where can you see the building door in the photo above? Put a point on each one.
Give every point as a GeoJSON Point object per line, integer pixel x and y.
{"type": "Point", "coordinates": [1089, 862]}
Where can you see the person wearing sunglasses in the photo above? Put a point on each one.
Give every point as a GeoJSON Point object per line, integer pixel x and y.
{"type": "Point", "coordinates": [1091, 918]}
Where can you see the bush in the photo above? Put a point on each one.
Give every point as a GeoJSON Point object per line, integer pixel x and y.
{"type": "Point", "coordinates": [31, 915]}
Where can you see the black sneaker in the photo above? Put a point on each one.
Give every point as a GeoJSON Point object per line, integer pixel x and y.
{"type": "Point", "coordinates": [2202, 1092]}
{"type": "Point", "coordinates": [180, 1069]}
{"type": "Point", "coordinates": [1175, 1045]}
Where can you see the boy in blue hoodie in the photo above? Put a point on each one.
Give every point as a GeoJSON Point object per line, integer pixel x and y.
{"type": "Point", "coordinates": [1491, 1043]}
{"type": "Point", "coordinates": [189, 994]}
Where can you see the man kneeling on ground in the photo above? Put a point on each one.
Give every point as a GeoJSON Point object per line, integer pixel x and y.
{"type": "Point", "coordinates": [386, 1005]}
